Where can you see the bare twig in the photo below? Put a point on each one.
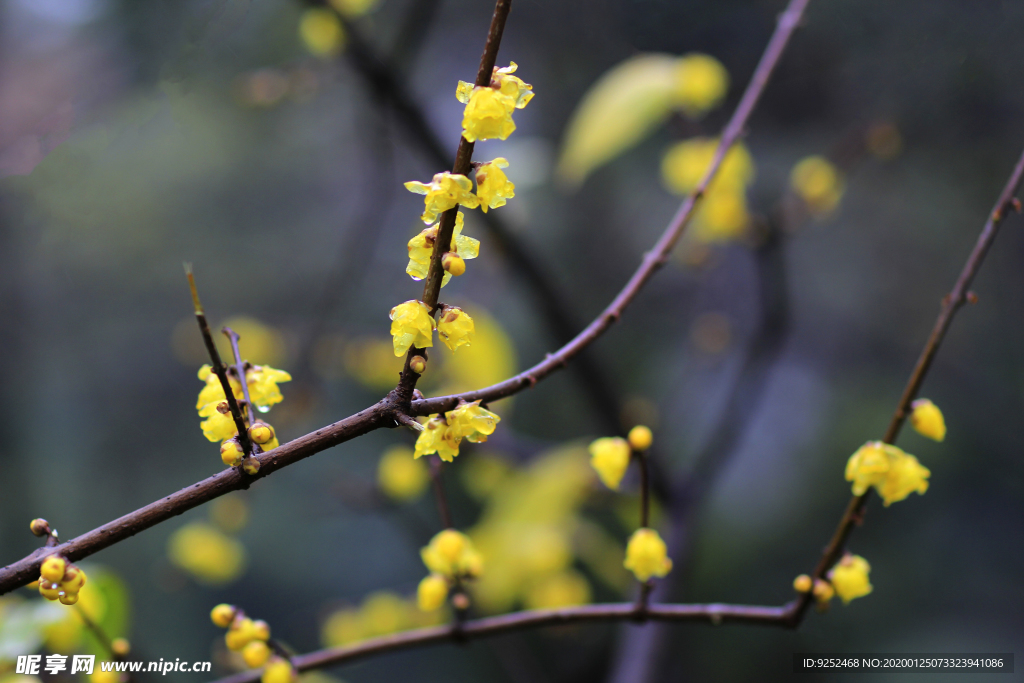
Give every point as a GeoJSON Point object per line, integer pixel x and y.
{"type": "Point", "coordinates": [219, 368]}
{"type": "Point", "coordinates": [488, 626]}
{"type": "Point", "coordinates": [950, 305]}
{"type": "Point", "coordinates": [240, 371]}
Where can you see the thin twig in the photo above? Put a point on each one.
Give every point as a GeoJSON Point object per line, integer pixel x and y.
{"type": "Point", "coordinates": [950, 305]}
{"type": "Point", "coordinates": [479, 628]}
{"type": "Point", "coordinates": [219, 368]}
{"type": "Point", "coordinates": [655, 258]}
{"type": "Point", "coordinates": [645, 503]}
{"type": "Point", "coordinates": [240, 371]}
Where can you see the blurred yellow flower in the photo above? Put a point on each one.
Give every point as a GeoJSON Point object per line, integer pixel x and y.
{"type": "Point", "coordinates": [381, 613]}
{"type": "Point", "coordinates": [646, 555]}
{"type": "Point", "coordinates": [701, 83]}
{"type": "Point", "coordinates": [455, 327]}
{"type": "Point", "coordinates": [444, 192]}
{"type": "Point", "coordinates": [206, 553]}
{"type": "Point", "coordinates": [372, 362]}
{"type": "Point", "coordinates": [927, 420]}
{"type": "Point", "coordinates": [353, 8]}
{"type": "Point", "coordinates": [492, 185]}
{"type": "Point", "coordinates": [422, 246]}
{"type": "Point", "coordinates": [564, 589]}
{"type": "Point", "coordinates": [850, 578]}
{"type": "Point", "coordinates": [490, 359]}
{"type": "Point", "coordinates": [819, 183]}
{"type": "Point", "coordinates": [723, 213]}
{"type": "Point", "coordinates": [610, 457]}
{"type": "Point", "coordinates": [411, 325]}
{"type": "Point", "coordinates": [401, 477]}
{"type": "Point", "coordinates": [893, 473]}
{"type": "Point", "coordinates": [640, 438]}
{"type": "Point", "coordinates": [321, 32]}
{"type": "Point", "coordinates": [451, 553]}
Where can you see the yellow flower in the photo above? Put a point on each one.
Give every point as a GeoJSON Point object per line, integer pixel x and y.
{"type": "Point", "coordinates": [646, 555]}
{"type": "Point", "coordinates": [868, 466]}
{"type": "Point", "coordinates": [512, 86]}
{"type": "Point", "coordinates": [850, 578]}
{"type": "Point", "coordinates": [411, 325]}
{"type": "Point", "coordinates": [263, 381]}
{"type": "Point", "coordinates": [471, 422]}
{"type": "Point", "coordinates": [455, 327]}
{"type": "Point", "coordinates": [905, 476]}
{"type": "Point", "coordinates": [219, 424]}
{"type": "Point", "coordinates": [206, 553]}
{"type": "Point", "coordinates": [564, 589]}
{"type": "Point", "coordinates": [321, 31]}
{"type": "Point", "coordinates": [927, 419]}
{"type": "Point", "coordinates": [401, 477]}
{"type": "Point", "coordinates": [686, 163]}
{"type": "Point", "coordinates": [451, 553]}
{"type": "Point", "coordinates": [278, 671]}
{"type": "Point", "coordinates": [610, 457]}
{"type": "Point", "coordinates": [437, 438]}
{"type": "Point", "coordinates": [213, 392]}
{"type": "Point", "coordinates": [432, 592]}
{"type": "Point", "coordinates": [819, 183]}
{"type": "Point", "coordinates": [701, 83]}
{"type": "Point", "coordinates": [492, 185]}
{"type": "Point", "coordinates": [444, 192]}
{"type": "Point", "coordinates": [488, 113]}
{"type": "Point", "coordinates": [422, 246]}
{"type": "Point", "coordinates": [893, 473]}
{"type": "Point", "coordinates": [353, 8]}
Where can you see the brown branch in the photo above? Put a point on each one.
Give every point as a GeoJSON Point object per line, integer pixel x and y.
{"type": "Point", "coordinates": [655, 258]}
{"type": "Point", "coordinates": [219, 368]}
{"type": "Point", "coordinates": [384, 413]}
{"type": "Point", "coordinates": [240, 371]}
{"type": "Point", "coordinates": [480, 628]}
{"type": "Point", "coordinates": [950, 305]}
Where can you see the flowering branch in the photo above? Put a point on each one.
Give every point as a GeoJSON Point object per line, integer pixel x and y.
{"type": "Point", "coordinates": [386, 412]}
{"type": "Point", "coordinates": [714, 614]}
{"type": "Point", "coordinates": [950, 305]}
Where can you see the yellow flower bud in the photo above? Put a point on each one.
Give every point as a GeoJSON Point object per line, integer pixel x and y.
{"type": "Point", "coordinates": [418, 364]}
{"type": "Point", "coordinates": [823, 590]}
{"type": "Point", "coordinates": [453, 264]}
{"type": "Point", "coordinates": [850, 578]}
{"type": "Point", "coordinates": [451, 553]}
{"type": "Point", "coordinates": [39, 526]}
{"type": "Point", "coordinates": [74, 579]}
{"type": "Point", "coordinates": [68, 598]}
{"type": "Point", "coordinates": [432, 592]}
{"type": "Point", "coordinates": [819, 183]}
{"type": "Point", "coordinates": [646, 555]}
{"type": "Point", "coordinates": [802, 584]}
{"type": "Point", "coordinates": [421, 248]}
{"type": "Point", "coordinates": [610, 457]}
{"type": "Point", "coordinates": [240, 634]}
{"type": "Point", "coordinates": [640, 438]}
{"type": "Point", "coordinates": [231, 453]}
{"type": "Point", "coordinates": [278, 671]}
{"type": "Point", "coordinates": [261, 432]}
{"type": "Point", "coordinates": [927, 420]}
{"type": "Point", "coordinates": [256, 654]}
{"type": "Point", "coordinates": [53, 568]}
{"type": "Point", "coordinates": [120, 646]}
{"type": "Point", "coordinates": [49, 590]}
{"type": "Point", "coordinates": [251, 465]}
{"type": "Point", "coordinates": [261, 630]}
{"type": "Point", "coordinates": [222, 615]}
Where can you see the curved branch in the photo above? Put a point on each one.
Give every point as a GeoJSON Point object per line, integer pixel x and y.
{"type": "Point", "coordinates": [655, 258]}
{"type": "Point", "coordinates": [950, 305]}
{"type": "Point", "coordinates": [489, 626]}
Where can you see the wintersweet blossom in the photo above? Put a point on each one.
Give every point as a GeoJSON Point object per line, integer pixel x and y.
{"type": "Point", "coordinates": [492, 185]}
{"type": "Point", "coordinates": [850, 578]}
{"type": "Point", "coordinates": [444, 192]}
{"type": "Point", "coordinates": [451, 553]}
{"type": "Point", "coordinates": [927, 420]}
{"type": "Point", "coordinates": [411, 325]}
{"type": "Point", "coordinates": [422, 246]}
{"type": "Point", "coordinates": [488, 113]}
{"type": "Point", "coordinates": [610, 457]}
{"type": "Point", "coordinates": [701, 83]}
{"type": "Point", "coordinates": [819, 183]}
{"type": "Point", "coordinates": [437, 438]}
{"type": "Point", "coordinates": [455, 327]}
{"type": "Point", "coordinates": [894, 473]}
{"type": "Point", "coordinates": [646, 555]}
{"type": "Point", "coordinates": [442, 435]}
{"type": "Point", "coordinates": [432, 592]}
